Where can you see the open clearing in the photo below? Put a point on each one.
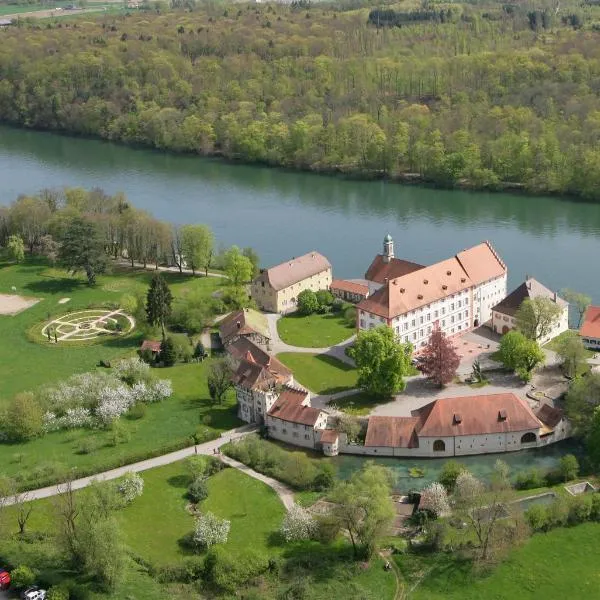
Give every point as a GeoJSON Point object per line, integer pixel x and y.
{"type": "Point", "coordinates": [13, 304]}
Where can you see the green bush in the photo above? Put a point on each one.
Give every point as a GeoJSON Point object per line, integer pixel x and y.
{"type": "Point", "coordinates": [58, 592]}
{"type": "Point", "coordinates": [198, 490]}
{"type": "Point", "coordinates": [529, 480]}
{"type": "Point", "coordinates": [88, 445]}
{"type": "Point", "coordinates": [324, 298]}
{"type": "Point", "coordinates": [230, 572]}
{"type": "Point", "coordinates": [569, 467]}
{"type": "Point", "coordinates": [137, 411]}
{"type": "Point", "coordinates": [307, 302]}
{"type": "Point", "coordinates": [537, 517]}
{"type": "Point", "coordinates": [350, 316]}
{"type": "Point", "coordinates": [22, 577]}
{"type": "Point", "coordinates": [580, 510]}
{"type": "Point", "coordinates": [450, 471]}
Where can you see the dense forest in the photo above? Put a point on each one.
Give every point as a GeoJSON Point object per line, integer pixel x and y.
{"type": "Point", "coordinates": [481, 95]}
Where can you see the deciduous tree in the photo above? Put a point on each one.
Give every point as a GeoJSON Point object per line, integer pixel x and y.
{"type": "Point", "coordinates": [211, 530]}
{"type": "Point", "coordinates": [307, 302]}
{"type": "Point", "coordinates": [435, 499]}
{"type": "Point", "coordinates": [439, 358]}
{"type": "Point", "coordinates": [381, 360]}
{"type": "Point", "coordinates": [219, 380]}
{"type": "Point", "coordinates": [82, 249]}
{"type": "Point", "coordinates": [537, 317]}
{"type": "Point", "coordinates": [571, 350]}
{"type": "Point", "coordinates": [582, 399]}
{"type": "Point", "coordinates": [579, 301]}
{"type": "Point", "coordinates": [16, 248]}
{"type": "Point", "coordinates": [197, 243]}
{"type": "Point", "coordinates": [520, 354]}
{"type": "Point", "coordinates": [238, 267]}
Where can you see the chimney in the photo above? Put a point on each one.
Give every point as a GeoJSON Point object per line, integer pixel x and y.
{"type": "Point", "coordinates": [554, 296]}
{"type": "Point", "coordinates": [386, 280]}
{"type": "Point", "coordinates": [239, 325]}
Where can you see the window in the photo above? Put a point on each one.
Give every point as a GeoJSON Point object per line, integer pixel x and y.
{"type": "Point", "coordinates": [439, 446]}
{"type": "Point", "coordinates": [306, 436]}
{"type": "Point", "coordinates": [528, 438]}
{"type": "Point", "coordinates": [397, 330]}
{"type": "Point", "coordinates": [414, 336]}
{"type": "Point", "coordinates": [284, 430]}
{"type": "Point", "coordinates": [295, 425]}
{"type": "Point", "coordinates": [413, 323]}
{"type": "Point", "coordinates": [421, 321]}
{"type": "Point", "coordinates": [273, 428]}
{"type": "Point", "coordinates": [429, 330]}
{"type": "Point", "coordinates": [452, 319]}
{"type": "Point", "coordinates": [428, 317]}
{"type": "Point", "coordinates": [295, 434]}
{"type": "Point", "coordinates": [421, 333]}
{"type": "Point", "coordinates": [459, 304]}
{"type": "Point", "coordinates": [466, 302]}
{"type": "Point", "coordinates": [443, 310]}
{"type": "Point", "coordinates": [262, 283]}
{"type": "Point", "coordinates": [436, 314]}
{"type": "Point", "coordinates": [405, 326]}
{"type": "Point", "coordinates": [406, 338]}
{"type": "Point", "coordinates": [443, 322]}
{"type": "Point", "coordinates": [452, 306]}
{"type": "Point", "coordinates": [362, 324]}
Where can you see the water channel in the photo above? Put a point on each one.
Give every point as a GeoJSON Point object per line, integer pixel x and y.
{"type": "Point", "coordinates": [283, 214]}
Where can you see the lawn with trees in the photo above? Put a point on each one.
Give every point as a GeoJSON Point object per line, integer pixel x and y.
{"type": "Point", "coordinates": [317, 330]}
{"type": "Point", "coordinates": [320, 373]}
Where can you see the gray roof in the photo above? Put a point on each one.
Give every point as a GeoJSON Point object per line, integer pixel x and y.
{"type": "Point", "coordinates": [530, 288]}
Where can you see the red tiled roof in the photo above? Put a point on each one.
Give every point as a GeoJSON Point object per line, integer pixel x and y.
{"type": "Point", "coordinates": [243, 322]}
{"type": "Point", "coordinates": [151, 345]}
{"type": "Point", "coordinates": [428, 284]}
{"type": "Point", "coordinates": [475, 415]}
{"type": "Point", "coordinates": [329, 436]}
{"type": "Point", "coordinates": [349, 286]}
{"type": "Point", "coordinates": [591, 323]}
{"type": "Point", "coordinates": [292, 271]}
{"type": "Point", "coordinates": [289, 407]}
{"type": "Point", "coordinates": [395, 432]}
{"type": "Point", "coordinates": [379, 270]}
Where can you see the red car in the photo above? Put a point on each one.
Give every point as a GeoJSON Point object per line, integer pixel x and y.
{"type": "Point", "coordinates": [4, 579]}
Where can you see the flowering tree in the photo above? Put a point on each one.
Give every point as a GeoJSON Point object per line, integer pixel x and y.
{"type": "Point", "coordinates": [132, 370]}
{"type": "Point", "coordinates": [131, 487]}
{"type": "Point", "coordinates": [298, 524]}
{"type": "Point", "coordinates": [211, 530]}
{"type": "Point", "coordinates": [439, 359]}
{"type": "Point", "coordinates": [435, 498]}
{"type": "Point", "coordinates": [467, 489]}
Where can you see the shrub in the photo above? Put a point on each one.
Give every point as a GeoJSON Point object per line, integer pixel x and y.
{"type": "Point", "coordinates": [211, 530]}
{"type": "Point", "coordinates": [24, 418]}
{"type": "Point", "coordinates": [537, 517]}
{"type": "Point", "coordinates": [569, 467]}
{"type": "Point", "coordinates": [58, 593]}
{"type": "Point", "coordinates": [324, 298]}
{"type": "Point", "coordinates": [325, 477]}
{"type": "Point", "coordinates": [298, 524]}
{"type": "Point", "coordinates": [22, 577]}
{"type": "Point", "coordinates": [230, 572]}
{"type": "Point", "coordinates": [130, 487]}
{"type": "Point", "coordinates": [580, 510]}
{"type": "Point", "coordinates": [449, 473]}
{"type": "Point", "coordinates": [88, 445]}
{"type": "Point", "coordinates": [528, 480]}
{"type": "Point", "coordinates": [137, 411]}
{"type": "Point", "coordinates": [350, 316]}
{"type": "Point", "coordinates": [307, 302]}
{"type": "Point", "coordinates": [198, 490]}
{"type": "Point", "coordinates": [132, 370]}
{"type": "Point", "coordinates": [119, 434]}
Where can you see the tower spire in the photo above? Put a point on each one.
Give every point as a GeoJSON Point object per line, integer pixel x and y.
{"type": "Point", "coordinates": [388, 248]}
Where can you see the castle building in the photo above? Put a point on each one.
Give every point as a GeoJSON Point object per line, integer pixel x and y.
{"type": "Point", "coordinates": [455, 295]}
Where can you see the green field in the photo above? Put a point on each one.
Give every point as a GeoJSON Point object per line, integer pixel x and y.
{"type": "Point", "coordinates": [314, 331]}
{"type": "Point", "coordinates": [555, 565]}
{"type": "Point", "coordinates": [320, 373]}
{"type": "Point", "coordinates": [24, 365]}
{"type": "Point", "coordinates": [358, 404]}
{"type": "Point", "coordinates": [554, 344]}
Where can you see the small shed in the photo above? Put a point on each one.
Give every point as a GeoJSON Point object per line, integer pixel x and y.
{"type": "Point", "coordinates": [151, 345]}
{"type": "Point", "coordinates": [5, 23]}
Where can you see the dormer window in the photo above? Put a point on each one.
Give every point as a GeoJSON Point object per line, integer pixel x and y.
{"type": "Point", "coordinates": [502, 415]}
{"type": "Point", "coordinates": [457, 419]}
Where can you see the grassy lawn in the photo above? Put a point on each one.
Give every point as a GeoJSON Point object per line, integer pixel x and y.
{"type": "Point", "coordinates": [24, 365]}
{"type": "Point", "coordinates": [358, 404]}
{"type": "Point", "coordinates": [166, 425]}
{"type": "Point", "coordinates": [556, 565]}
{"type": "Point", "coordinates": [314, 331]}
{"type": "Point", "coordinates": [554, 344]}
{"type": "Point", "coordinates": [320, 373]}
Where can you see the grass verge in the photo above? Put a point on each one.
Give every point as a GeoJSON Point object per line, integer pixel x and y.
{"type": "Point", "coordinates": [314, 331]}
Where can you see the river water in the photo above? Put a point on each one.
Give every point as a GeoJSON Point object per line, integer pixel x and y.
{"type": "Point", "coordinates": [284, 214]}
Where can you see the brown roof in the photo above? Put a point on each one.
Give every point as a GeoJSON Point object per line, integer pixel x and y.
{"type": "Point", "coordinates": [591, 323]}
{"type": "Point", "coordinates": [531, 288]}
{"type": "Point", "coordinates": [475, 415]}
{"type": "Point", "coordinates": [349, 286]}
{"type": "Point", "coordinates": [152, 345]}
{"type": "Point", "coordinates": [243, 322]}
{"type": "Point", "coordinates": [256, 368]}
{"type": "Point", "coordinates": [395, 432]}
{"type": "Point", "coordinates": [289, 407]}
{"type": "Point", "coordinates": [429, 284]}
{"type": "Point", "coordinates": [295, 270]}
{"type": "Point", "coordinates": [379, 270]}
{"type": "Point", "coordinates": [329, 436]}
{"type": "Point", "coordinates": [549, 415]}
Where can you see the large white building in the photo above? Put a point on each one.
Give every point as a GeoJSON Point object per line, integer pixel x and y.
{"type": "Point", "coordinates": [455, 294]}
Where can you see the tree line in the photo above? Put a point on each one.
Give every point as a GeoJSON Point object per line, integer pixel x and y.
{"type": "Point", "coordinates": [323, 89]}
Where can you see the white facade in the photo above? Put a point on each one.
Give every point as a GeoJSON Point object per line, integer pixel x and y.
{"type": "Point", "coordinates": [453, 314]}
{"type": "Point", "coordinates": [253, 405]}
{"type": "Point", "coordinates": [297, 434]}
{"type": "Point", "coordinates": [504, 323]}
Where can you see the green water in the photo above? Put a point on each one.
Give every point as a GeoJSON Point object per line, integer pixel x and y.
{"type": "Point", "coordinates": [481, 466]}
{"type": "Point", "coordinates": [284, 214]}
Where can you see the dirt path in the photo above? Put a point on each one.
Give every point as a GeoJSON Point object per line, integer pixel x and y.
{"type": "Point", "coordinates": [399, 595]}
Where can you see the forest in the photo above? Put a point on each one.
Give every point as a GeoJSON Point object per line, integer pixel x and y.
{"type": "Point", "coordinates": [483, 95]}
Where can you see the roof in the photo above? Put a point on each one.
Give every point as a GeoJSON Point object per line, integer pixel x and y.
{"type": "Point", "coordinates": [350, 286]}
{"type": "Point", "coordinates": [256, 368]}
{"type": "Point", "coordinates": [289, 407]}
{"type": "Point", "coordinates": [475, 415]}
{"type": "Point", "coordinates": [549, 415]}
{"type": "Point", "coordinates": [380, 270]}
{"type": "Point", "coordinates": [329, 436]}
{"type": "Point", "coordinates": [395, 432]}
{"type": "Point", "coordinates": [530, 288]}
{"type": "Point", "coordinates": [429, 284]}
{"type": "Point", "coordinates": [591, 323]}
{"type": "Point", "coordinates": [244, 322]}
{"type": "Point", "coordinates": [152, 345]}
{"type": "Point", "coordinates": [4, 22]}
{"type": "Point", "coordinates": [297, 269]}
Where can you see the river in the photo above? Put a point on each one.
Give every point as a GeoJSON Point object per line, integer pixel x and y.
{"type": "Point", "coordinates": [283, 214]}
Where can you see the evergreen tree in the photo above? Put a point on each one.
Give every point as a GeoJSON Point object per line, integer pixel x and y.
{"type": "Point", "coordinates": [83, 250]}
{"type": "Point", "coordinates": [168, 356]}
{"type": "Point", "coordinates": [158, 302]}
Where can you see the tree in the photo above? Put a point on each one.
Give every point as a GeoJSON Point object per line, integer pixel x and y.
{"type": "Point", "coordinates": [219, 380]}
{"type": "Point", "coordinates": [592, 439]}
{"type": "Point", "coordinates": [381, 360]}
{"type": "Point", "coordinates": [197, 244]}
{"type": "Point", "coordinates": [363, 507]}
{"type": "Point", "coordinates": [324, 298]}
{"type": "Point", "coordinates": [439, 358]}
{"type": "Point", "coordinates": [238, 267]}
{"type": "Point", "coordinates": [22, 577]}
{"type": "Point", "coordinates": [298, 524]}
{"type": "Point", "coordinates": [83, 250]}
{"type": "Point", "coordinates": [16, 248]}
{"type": "Point", "coordinates": [49, 248]}
{"type": "Point", "coordinates": [568, 467]}
{"type": "Point", "coordinates": [252, 256]}
{"type": "Point", "coordinates": [537, 317]}
{"type": "Point", "coordinates": [24, 507]}
{"type": "Point", "coordinates": [579, 301]}
{"type": "Point", "coordinates": [131, 487]}
{"type": "Point", "coordinates": [23, 418]}
{"type": "Point", "coordinates": [350, 426]}
{"type": "Point", "coordinates": [168, 354]}
{"type": "Point", "coordinates": [571, 350]}
{"type": "Point", "coordinates": [520, 354]}
{"type": "Point", "coordinates": [211, 530]}
{"type": "Point", "coordinates": [583, 397]}
{"type": "Point", "coordinates": [307, 302]}
{"type": "Point", "coordinates": [449, 473]}
{"type": "Point", "coordinates": [198, 490]}
{"type": "Point", "coordinates": [158, 302]}
{"type": "Point", "coordinates": [434, 498]}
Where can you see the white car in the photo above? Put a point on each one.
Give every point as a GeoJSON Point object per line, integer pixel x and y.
{"type": "Point", "coordinates": [34, 593]}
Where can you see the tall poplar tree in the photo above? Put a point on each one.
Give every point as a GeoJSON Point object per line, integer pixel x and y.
{"type": "Point", "coordinates": [158, 302]}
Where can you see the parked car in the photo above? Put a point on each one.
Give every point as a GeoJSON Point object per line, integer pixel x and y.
{"type": "Point", "coordinates": [4, 578]}
{"type": "Point", "coordinates": [33, 593]}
